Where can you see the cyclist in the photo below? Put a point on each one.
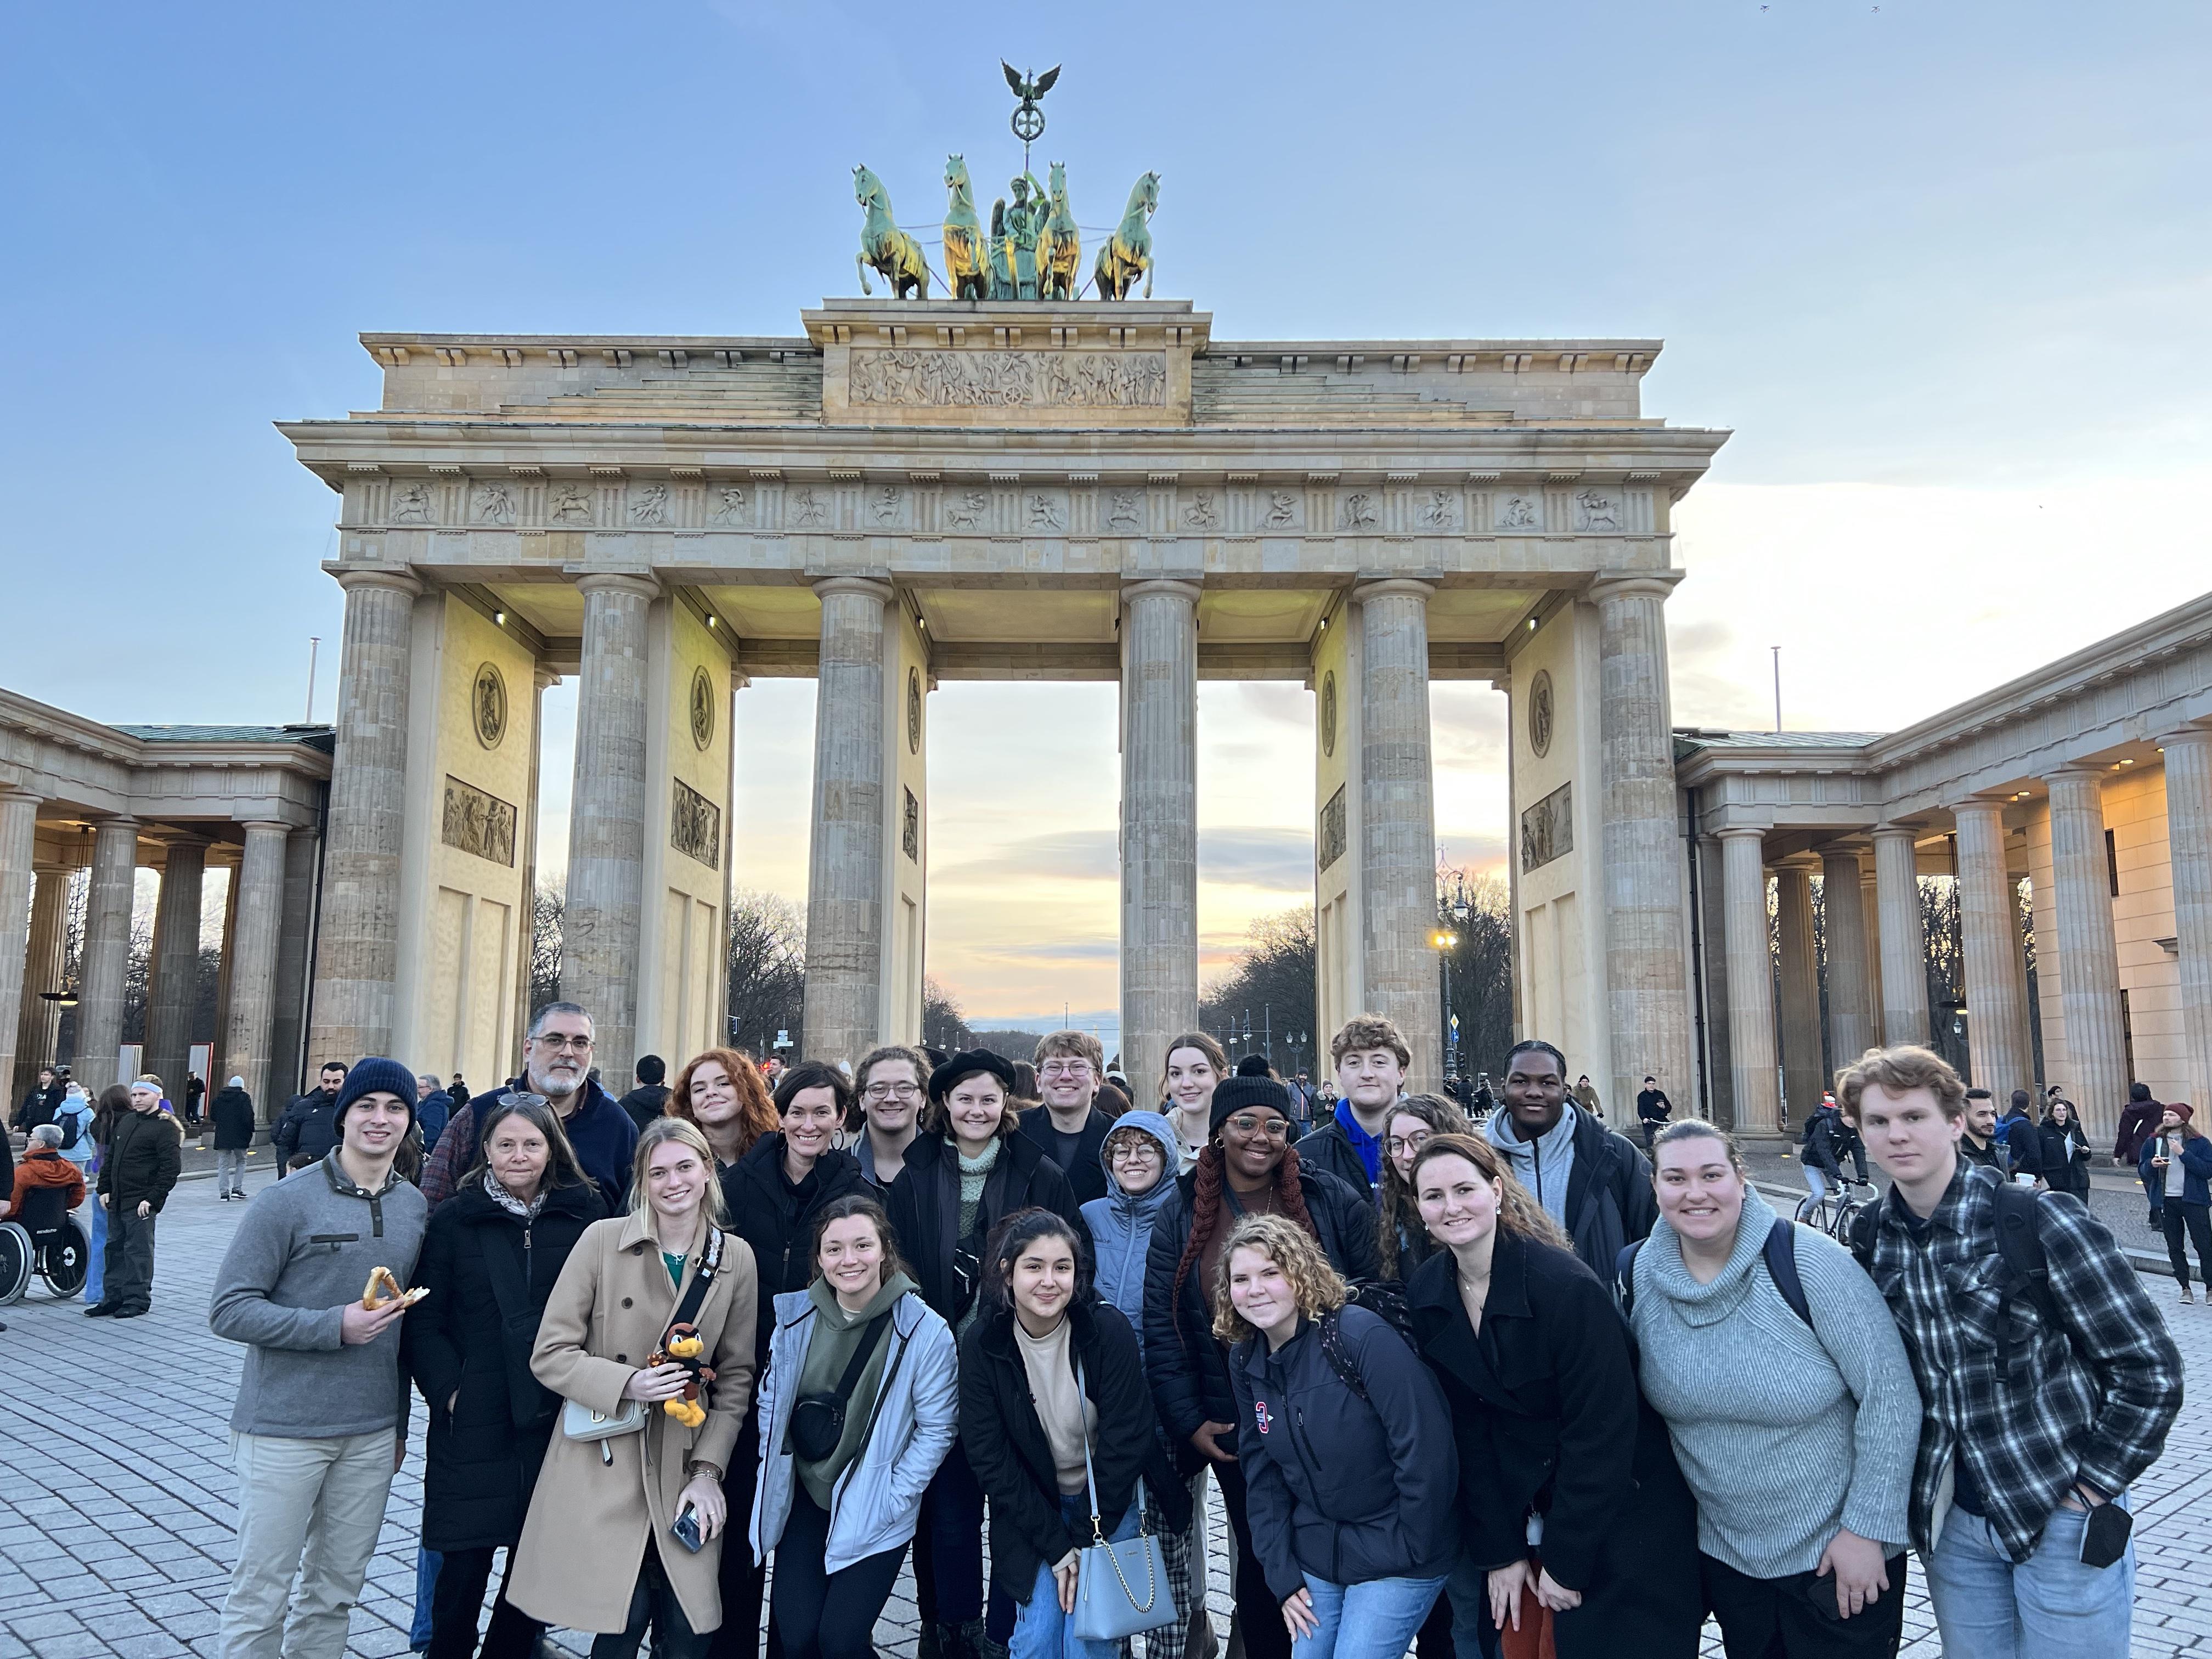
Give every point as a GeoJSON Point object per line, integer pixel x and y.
{"type": "Point", "coordinates": [1826, 1142]}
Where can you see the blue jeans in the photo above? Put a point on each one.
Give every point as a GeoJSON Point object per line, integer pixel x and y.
{"type": "Point", "coordinates": [2050, 1607]}
{"type": "Point", "coordinates": [96, 1277]}
{"type": "Point", "coordinates": [1373, 1621]}
{"type": "Point", "coordinates": [1041, 1631]}
{"type": "Point", "coordinates": [1816, 1180]}
{"type": "Point", "coordinates": [426, 1585]}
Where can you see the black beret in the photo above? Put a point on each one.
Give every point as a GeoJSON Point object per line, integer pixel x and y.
{"type": "Point", "coordinates": [968, 1063]}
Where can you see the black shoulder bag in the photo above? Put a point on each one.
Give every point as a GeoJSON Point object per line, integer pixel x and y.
{"type": "Point", "coordinates": [818, 1420]}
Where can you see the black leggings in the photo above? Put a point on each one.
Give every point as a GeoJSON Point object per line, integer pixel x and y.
{"type": "Point", "coordinates": [456, 1599]}
{"type": "Point", "coordinates": [2197, 1219]}
{"type": "Point", "coordinates": [1781, 1618]}
{"type": "Point", "coordinates": [741, 1580]}
{"type": "Point", "coordinates": [1259, 1614]}
{"type": "Point", "coordinates": [827, 1615]}
{"type": "Point", "coordinates": [654, 1603]}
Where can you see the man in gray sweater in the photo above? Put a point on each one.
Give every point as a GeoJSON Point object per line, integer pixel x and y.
{"type": "Point", "coordinates": [321, 1419]}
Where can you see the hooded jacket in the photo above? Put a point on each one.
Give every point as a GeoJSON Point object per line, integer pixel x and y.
{"type": "Point", "coordinates": [1608, 1203]}
{"type": "Point", "coordinates": [1120, 1223]}
{"type": "Point", "coordinates": [777, 1218]}
{"type": "Point", "coordinates": [232, 1110]}
{"type": "Point", "coordinates": [2195, 1168]}
{"type": "Point", "coordinates": [924, 1206]}
{"type": "Point", "coordinates": [308, 1128]}
{"type": "Point", "coordinates": [44, 1167]}
{"type": "Point", "coordinates": [145, 1156]}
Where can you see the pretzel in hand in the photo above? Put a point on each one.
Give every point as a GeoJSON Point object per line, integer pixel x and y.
{"type": "Point", "coordinates": [383, 1290]}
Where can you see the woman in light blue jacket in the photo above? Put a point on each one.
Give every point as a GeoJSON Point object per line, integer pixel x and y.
{"type": "Point", "coordinates": [859, 1405]}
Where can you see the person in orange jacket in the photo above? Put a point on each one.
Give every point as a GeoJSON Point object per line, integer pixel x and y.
{"type": "Point", "coordinates": [43, 1165]}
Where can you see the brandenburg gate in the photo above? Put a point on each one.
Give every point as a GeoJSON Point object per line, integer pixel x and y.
{"type": "Point", "coordinates": [917, 490]}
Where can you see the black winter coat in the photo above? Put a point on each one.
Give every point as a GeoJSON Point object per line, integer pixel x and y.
{"type": "Point", "coordinates": [2062, 1171]}
{"type": "Point", "coordinates": [1188, 1369]}
{"type": "Point", "coordinates": [777, 1219]}
{"type": "Point", "coordinates": [1088, 1175]}
{"type": "Point", "coordinates": [309, 1126]}
{"type": "Point", "coordinates": [1348, 1489]}
{"type": "Point", "coordinates": [481, 1458]}
{"type": "Point", "coordinates": [1329, 1151]}
{"type": "Point", "coordinates": [145, 1155]}
{"type": "Point", "coordinates": [924, 1205]}
{"type": "Point", "coordinates": [1547, 1412]}
{"type": "Point", "coordinates": [232, 1112]}
{"type": "Point", "coordinates": [1004, 1443]}
{"type": "Point", "coordinates": [645, 1102]}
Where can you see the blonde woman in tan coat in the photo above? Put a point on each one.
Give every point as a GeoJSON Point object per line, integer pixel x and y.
{"type": "Point", "coordinates": [596, 1553]}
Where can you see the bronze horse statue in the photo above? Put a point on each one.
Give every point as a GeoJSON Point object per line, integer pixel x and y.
{"type": "Point", "coordinates": [896, 256]}
{"type": "Point", "coordinates": [967, 260]}
{"type": "Point", "coordinates": [1060, 246]}
{"type": "Point", "coordinates": [1128, 252]}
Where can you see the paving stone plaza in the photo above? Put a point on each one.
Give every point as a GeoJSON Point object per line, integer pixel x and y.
{"type": "Point", "coordinates": [117, 1535]}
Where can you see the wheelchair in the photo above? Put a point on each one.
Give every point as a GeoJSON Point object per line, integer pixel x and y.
{"type": "Point", "coordinates": [45, 1240]}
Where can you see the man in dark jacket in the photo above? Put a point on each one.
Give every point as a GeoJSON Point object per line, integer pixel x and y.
{"type": "Point", "coordinates": [1594, 1182]}
{"type": "Point", "coordinates": [232, 1109]}
{"type": "Point", "coordinates": [2023, 1141]}
{"type": "Point", "coordinates": [1071, 1130]}
{"type": "Point", "coordinates": [556, 1060]}
{"type": "Point", "coordinates": [1371, 1056]}
{"type": "Point", "coordinates": [309, 1126]}
{"type": "Point", "coordinates": [145, 1154]}
{"type": "Point", "coordinates": [1653, 1108]}
{"type": "Point", "coordinates": [1980, 1140]}
{"type": "Point", "coordinates": [46, 1094]}
{"type": "Point", "coordinates": [650, 1098]}
{"type": "Point", "coordinates": [433, 1107]}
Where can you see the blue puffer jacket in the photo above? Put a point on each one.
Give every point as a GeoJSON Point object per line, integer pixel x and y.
{"type": "Point", "coordinates": [1121, 1223]}
{"type": "Point", "coordinates": [2195, 1168]}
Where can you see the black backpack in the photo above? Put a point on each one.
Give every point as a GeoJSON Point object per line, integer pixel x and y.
{"type": "Point", "coordinates": [72, 1124]}
{"type": "Point", "coordinates": [2025, 1271]}
{"type": "Point", "coordinates": [1780, 1251]}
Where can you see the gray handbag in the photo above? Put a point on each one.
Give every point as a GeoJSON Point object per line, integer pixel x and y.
{"type": "Point", "coordinates": [1109, 1606]}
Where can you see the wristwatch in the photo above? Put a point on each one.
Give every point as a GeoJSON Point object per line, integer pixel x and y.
{"type": "Point", "coordinates": [699, 1466]}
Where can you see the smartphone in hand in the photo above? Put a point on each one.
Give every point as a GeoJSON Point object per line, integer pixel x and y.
{"type": "Point", "coordinates": [687, 1530]}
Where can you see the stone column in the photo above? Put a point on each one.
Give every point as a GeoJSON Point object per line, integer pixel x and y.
{"type": "Point", "coordinates": [1904, 947]}
{"type": "Point", "coordinates": [2189, 836]}
{"type": "Point", "coordinates": [1803, 1074]}
{"type": "Point", "coordinates": [38, 1028]}
{"type": "Point", "coordinates": [1750, 984]}
{"type": "Point", "coordinates": [106, 952]}
{"type": "Point", "coordinates": [1398, 818]}
{"type": "Point", "coordinates": [1850, 1012]}
{"type": "Point", "coordinates": [19, 833]}
{"type": "Point", "coordinates": [845, 865]}
{"type": "Point", "coordinates": [1713, 922]}
{"type": "Point", "coordinates": [1159, 829]}
{"type": "Point", "coordinates": [260, 886]}
{"type": "Point", "coordinates": [357, 953]}
{"type": "Point", "coordinates": [1870, 912]}
{"type": "Point", "coordinates": [1641, 841]}
{"type": "Point", "coordinates": [611, 805]}
{"type": "Point", "coordinates": [1996, 969]}
{"type": "Point", "coordinates": [2088, 956]}
{"type": "Point", "coordinates": [295, 950]}
{"type": "Point", "coordinates": [173, 975]}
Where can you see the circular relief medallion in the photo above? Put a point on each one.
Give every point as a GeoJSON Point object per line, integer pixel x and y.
{"type": "Point", "coordinates": [703, 708]}
{"type": "Point", "coordinates": [913, 711]}
{"type": "Point", "coordinates": [1328, 713]}
{"type": "Point", "coordinates": [1540, 713]}
{"type": "Point", "coordinates": [487, 706]}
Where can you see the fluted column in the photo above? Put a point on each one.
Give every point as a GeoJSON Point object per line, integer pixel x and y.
{"type": "Point", "coordinates": [610, 804]}
{"type": "Point", "coordinates": [2088, 956]}
{"type": "Point", "coordinates": [1750, 983]}
{"type": "Point", "coordinates": [1870, 913]}
{"type": "Point", "coordinates": [845, 869]}
{"type": "Point", "coordinates": [1996, 969]}
{"type": "Point", "coordinates": [259, 886]}
{"type": "Point", "coordinates": [2189, 835]}
{"type": "Point", "coordinates": [357, 949]}
{"type": "Point", "coordinates": [173, 975]}
{"type": "Point", "coordinates": [1159, 827]}
{"type": "Point", "coordinates": [106, 952]}
{"type": "Point", "coordinates": [1802, 1068]}
{"type": "Point", "coordinates": [19, 833]}
{"type": "Point", "coordinates": [1850, 1016]}
{"type": "Point", "coordinates": [1398, 819]}
{"type": "Point", "coordinates": [38, 1028]}
{"type": "Point", "coordinates": [294, 950]}
{"type": "Point", "coordinates": [1903, 945]}
{"type": "Point", "coordinates": [1646, 975]}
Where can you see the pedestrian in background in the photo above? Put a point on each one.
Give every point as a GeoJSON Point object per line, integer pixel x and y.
{"type": "Point", "coordinates": [233, 1111]}
{"type": "Point", "coordinates": [650, 1098]}
{"type": "Point", "coordinates": [2139, 1122]}
{"type": "Point", "coordinates": [1791, 1405]}
{"type": "Point", "coordinates": [2176, 1163]}
{"type": "Point", "coordinates": [434, 1108]}
{"type": "Point", "coordinates": [1585, 1094]}
{"type": "Point", "coordinates": [145, 1155]}
{"type": "Point", "coordinates": [2064, 1150]}
{"type": "Point", "coordinates": [75, 1118]}
{"type": "Point", "coordinates": [114, 1101]}
{"type": "Point", "coordinates": [306, 1128]}
{"type": "Point", "coordinates": [1653, 1108]}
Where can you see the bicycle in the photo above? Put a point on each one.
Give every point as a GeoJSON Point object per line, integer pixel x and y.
{"type": "Point", "coordinates": [1834, 1212]}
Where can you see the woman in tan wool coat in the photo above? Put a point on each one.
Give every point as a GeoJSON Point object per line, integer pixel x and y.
{"type": "Point", "coordinates": [596, 1552]}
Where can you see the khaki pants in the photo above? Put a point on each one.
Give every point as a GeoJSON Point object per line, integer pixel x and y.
{"type": "Point", "coordinates": [309, 1511]}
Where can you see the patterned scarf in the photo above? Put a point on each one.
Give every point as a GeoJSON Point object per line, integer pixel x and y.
{"type": "Point", "coordinates": [514, 1206]}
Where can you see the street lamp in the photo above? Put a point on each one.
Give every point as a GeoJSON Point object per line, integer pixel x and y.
{"type": "Point", "coordinates": [1444, 941]}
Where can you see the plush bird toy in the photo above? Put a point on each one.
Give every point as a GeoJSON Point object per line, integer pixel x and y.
{"type": "Point", "coordinates": [683, 1346]}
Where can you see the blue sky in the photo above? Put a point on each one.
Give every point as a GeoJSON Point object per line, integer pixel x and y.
{"type": "Point", "coordinates": [1946, 270]}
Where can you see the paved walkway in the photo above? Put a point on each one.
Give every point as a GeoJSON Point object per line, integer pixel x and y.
{"type": "Point", "coordinates": [116, 1510]}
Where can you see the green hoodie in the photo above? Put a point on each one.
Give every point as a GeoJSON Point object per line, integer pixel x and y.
{"type": "Point", "coordinates": [829, 1350]}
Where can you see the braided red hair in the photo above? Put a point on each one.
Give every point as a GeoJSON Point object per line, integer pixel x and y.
{"type": "Point", "coordinates": [1207, 1209]}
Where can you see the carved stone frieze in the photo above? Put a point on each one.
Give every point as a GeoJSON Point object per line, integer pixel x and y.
{"type": "Point", "coordinates": [478, 823]}
{"type": "Point", "coordinates": [979, 380]}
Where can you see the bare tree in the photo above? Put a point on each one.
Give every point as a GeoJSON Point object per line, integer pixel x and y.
{"type": "Point", "coordinates": [1480, 978]}
{"type": "Point", "coordinates": [1270, 990]}
{"type": "Point", "coordinates": [768, 971]}
{"type": "Point", "coordinates": [547, 907]}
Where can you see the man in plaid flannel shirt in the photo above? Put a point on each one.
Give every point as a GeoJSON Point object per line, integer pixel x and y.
{"type": "Point", "coordinates": [2037, 1407]}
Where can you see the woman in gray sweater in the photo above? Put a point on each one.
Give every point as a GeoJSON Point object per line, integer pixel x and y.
{"type": "Point", "coordinates": [1791, 1404]}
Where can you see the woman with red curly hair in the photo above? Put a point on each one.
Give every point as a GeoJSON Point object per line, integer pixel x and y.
{"type": "Point", "coordinates": [1248, 1166]}
{"type": "Point", "coordinates": [721, 1091]}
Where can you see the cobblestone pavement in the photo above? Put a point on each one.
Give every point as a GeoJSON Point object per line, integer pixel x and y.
{"type": "Point", "coordinates": [116, 1510]}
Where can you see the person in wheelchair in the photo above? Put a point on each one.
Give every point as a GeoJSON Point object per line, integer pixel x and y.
{"type": "Point", "coordinates": [46, 1187]}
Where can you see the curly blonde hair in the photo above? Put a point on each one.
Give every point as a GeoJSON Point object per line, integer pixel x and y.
{"type": "Point", "coordinates": [1316, 1286]}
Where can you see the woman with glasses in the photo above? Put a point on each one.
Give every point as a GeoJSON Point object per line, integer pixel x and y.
{"type": "Point", "coordinates": [775, 1193]}
{"type": "Point", "coordinates": [1194, 1067]}
{"type": "Point", "coordinates": [720, 1090]}
{"type": "Point", "coordinates": [1248, 1167]}
{"type": "Point", "coordinates": [892, 1083]}
{"type": "Point", "coordinates": [1402, 1243]}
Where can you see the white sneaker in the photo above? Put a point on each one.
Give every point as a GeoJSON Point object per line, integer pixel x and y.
{"type": "Point", "coordinates": [2187, 1299]}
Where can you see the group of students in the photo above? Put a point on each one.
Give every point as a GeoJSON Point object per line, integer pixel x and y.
{"type": "Point", "coordinates": [1512, 1390]}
